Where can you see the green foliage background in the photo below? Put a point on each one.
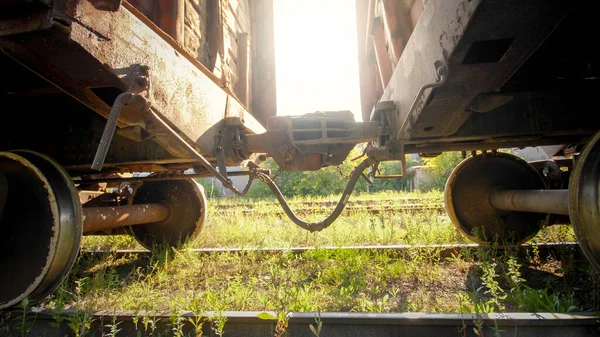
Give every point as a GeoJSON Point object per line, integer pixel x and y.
{"type": "Point", "coordinates": [439, 169]}
{"type": "Point", "coordinates": [329, 180]}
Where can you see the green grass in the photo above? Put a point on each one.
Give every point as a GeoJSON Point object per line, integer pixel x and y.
{"type": "Point", "coordinates": [330, 280]}
{"type": "Point", "coordinates": [235, 227]}
{"type": "Point", "coordinates": [326, 280]}
{"type": "Point", "coordinates": [230, 225]}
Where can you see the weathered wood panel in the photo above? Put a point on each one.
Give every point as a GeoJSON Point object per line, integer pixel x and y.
{"type": "Point", "coordinates": [225, 20]}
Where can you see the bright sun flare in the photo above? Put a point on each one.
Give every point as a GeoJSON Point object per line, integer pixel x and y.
{"type": "Point", "coordinates": [316, 56]}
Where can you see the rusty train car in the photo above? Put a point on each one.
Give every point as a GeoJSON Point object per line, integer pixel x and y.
{"type": "Point", "coordinates": [96, 91]}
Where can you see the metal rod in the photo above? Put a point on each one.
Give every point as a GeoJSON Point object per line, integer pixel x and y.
{"type": "Point", "coordinates": [227, 183]}
{"type": "Point", "coordinates": [109, 129]}
{"type": "Point", "coordinates": [536, 201]}
{"type": "Point", "coordinates": [99, 218]}
{"type": "Point", "coordinates": [161, 178]}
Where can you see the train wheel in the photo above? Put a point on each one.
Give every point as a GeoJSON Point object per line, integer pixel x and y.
{"type": "Point", "coordinates": [467, 199]}
{"type": "Point", "coordinates": [187, 212]}
{"type": "Point", "coordinates": [584, 202]}
{"type": "Point", "coordinates": [40, 226]}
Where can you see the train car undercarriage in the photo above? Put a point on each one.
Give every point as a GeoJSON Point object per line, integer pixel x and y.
{"type": "Point", "coordinates": [94, 93]}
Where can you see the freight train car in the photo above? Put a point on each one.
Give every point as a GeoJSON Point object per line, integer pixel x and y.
{"type": "Point", "coordinates": [478, 76]}
{"type": "Point", "coordinates": [99, 90]}
{"type": "Point", "coordinates": [96, 91]}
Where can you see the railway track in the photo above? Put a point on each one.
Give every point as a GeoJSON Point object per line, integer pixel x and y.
{"type": "Point", "coordinates": [318, 210]}
{"type": "Point", "coordinates": [357, 202]}
{"type": "Point", "coordinates": [370, 206]}
{"type": "Point", "coordinates": [444, 250]}
{"type": "Point", "coordinates": [51, 323]}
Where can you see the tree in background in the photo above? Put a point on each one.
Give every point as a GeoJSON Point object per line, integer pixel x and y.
{"type": "Point", "coordinates": [439, 169]}
{"type": "Point", "coordinates": [395, 168]}
{"type": "Point", "coordinates": [326, 181]}
{"type": "Point", "coordinates": [333, 180]}
{"type": "Point", "coordinates": [210, 190]}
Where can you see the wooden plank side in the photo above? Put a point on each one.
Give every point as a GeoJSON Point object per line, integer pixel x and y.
{"type": "Point", "coordinates": [232, 20]}
{"type": "Point", "coordinates": [232, 45]}
{"type": "Point", "coordinates": [180, 91]}
{"type": "Point", "coordinates": [243, 68]}
{"type": "Point", "coordinates": [240, 9]}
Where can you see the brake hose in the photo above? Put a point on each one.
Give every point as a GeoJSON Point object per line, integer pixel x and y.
{"type": "Point", "coordinates": [317, 226]}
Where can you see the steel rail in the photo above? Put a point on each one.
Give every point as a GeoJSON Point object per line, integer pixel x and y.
{"type": "Point", "coordinates": [52, 323]}
{"type": "Point", "coordinates": [444, 250]}
{"type": "Point", "coordinates": [357, 202]}
{"type": "Point", "coordinates": [318, 210]}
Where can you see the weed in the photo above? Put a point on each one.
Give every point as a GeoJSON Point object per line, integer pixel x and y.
{"type": "Point", "coordinates": [513, 274]}
{"type": "Point", "coordinates": [282, 325]}
{"type": "Point", "coordinates": [113, 327]}
{"type": "Point", "coordinates": [80, 323]}
{"type": "Point", "coordinates": [541, 300]}
{"type": "Point", "coordinates": [382, 303]}
{"type": "Point", "coordinates": [150, 324]}
{"type": "Point", "coordinates": [176, 323]}
{"type": "Point", "coordinates": [197, 319]}
{"type": "Point", "coordinates": [490, 281]}
{"type": "Point", "coordinates": [25, 325]}
{"type": "Point", "coordinates": [218, 324]}
{"type": "Point", "coordinates": [24, 304]}
{"type": "Point", "coordinates": [58, 303]}
{"type": "Point", "coordinates": [316, 329]}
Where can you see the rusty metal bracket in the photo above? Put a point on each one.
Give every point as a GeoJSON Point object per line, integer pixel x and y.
{"type": "Point", "coordinates": [386, 148]}
{"type": "Point", "coordinates": [442, 76]}
{"type": "Point", "coordinates": [107, 5]}
{"type": "Point", "coordinates": [227, 183]}
{"type": "Point", "coordinates": [220, 155]}
{"type": "Point", "coordinates": [139, 84]}
{"type": "Point", "coordinates": [393, 150]}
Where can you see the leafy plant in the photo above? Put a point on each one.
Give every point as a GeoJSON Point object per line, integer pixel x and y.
{"type": "Point", "coordinates": [316, 329]}
{"type": "Point", "coordinates": [218, 324]}
{"type": "Point", "coordinates": [113, 327]}
{"type": "Point", "coordinates": [439, 169]}
{"type": "Point", "coordinates": [542, 300]}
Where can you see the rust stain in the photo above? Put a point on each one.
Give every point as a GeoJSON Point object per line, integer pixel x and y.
{"type": "Point", "coordinates": [100, 36]}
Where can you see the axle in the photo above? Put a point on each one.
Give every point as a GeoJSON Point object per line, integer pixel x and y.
{"type": "Point", "coordinates": [99, 218]}
{"type": "Point", "coordinates": [537, 201]}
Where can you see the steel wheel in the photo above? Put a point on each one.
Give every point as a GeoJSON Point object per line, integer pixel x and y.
{"type": "Point", "coordinates": [187, 212]}
{"type": "Point", "coordinates": [584, 204]}
{"type": "Point", "coordinates": [467, 199]}
{"type": "Point", "coordinates": [40, 226]}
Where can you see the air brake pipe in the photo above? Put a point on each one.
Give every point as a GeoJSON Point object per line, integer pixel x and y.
{"type": "Point", "coordinates": [99, 218]}
{"type": "Point", "coordinates": [536, 201]}
{"type": "Point", "coordinates": [319, 225]}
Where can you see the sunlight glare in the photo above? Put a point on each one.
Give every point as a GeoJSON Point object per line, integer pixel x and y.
{"type": "Point", "coordinates": [316, 56]}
